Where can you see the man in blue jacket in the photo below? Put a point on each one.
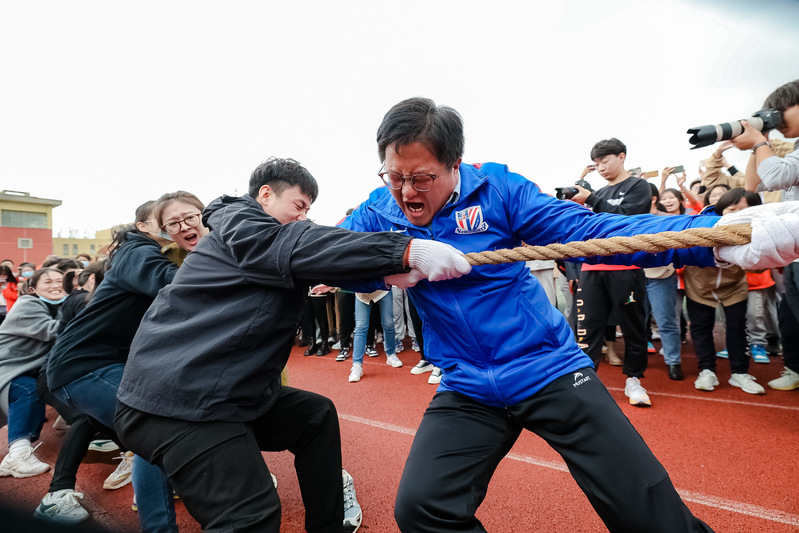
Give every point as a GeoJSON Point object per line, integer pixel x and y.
{"type": "Point", "coordinates": [509, 359]}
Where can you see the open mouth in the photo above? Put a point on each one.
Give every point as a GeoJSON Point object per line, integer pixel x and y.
{"type": "Point", "coordinates": [191, 238]}
{"type": "Point", "coordinates": [415, 208]}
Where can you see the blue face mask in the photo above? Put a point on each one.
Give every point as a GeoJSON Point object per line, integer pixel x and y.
{"type": "Point", "coordinates": [165, 235]}
{"type": "Point", "coordinates": [26, 274]}
{"type": "Point", "coordinates": [53, 302]}
{"type": "Point", "coordinates": [84, 263]}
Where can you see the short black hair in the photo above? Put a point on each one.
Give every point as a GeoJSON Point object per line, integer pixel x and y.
{"type": "Point", "coordinates": [784, 97]}
{"type": "Point", "coordinates": [281, 174]}
{"type": "Point", "coordinates": [655, 190]}
{"type": "Point", "coordinates": [607, 147]}
{"type": "Point", "coordinates": [437, 128]}
{"type": "Point", "coordinates": [711, 189]}
{"type": "Point", "coordinates": [733, 196]}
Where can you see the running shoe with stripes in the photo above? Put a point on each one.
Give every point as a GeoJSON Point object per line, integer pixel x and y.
{"type": "Point", "coordinates": [62, 507]}
{"type": "Point", "coordinates": [352, 510]}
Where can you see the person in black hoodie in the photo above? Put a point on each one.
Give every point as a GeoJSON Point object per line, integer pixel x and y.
{"type": "Point", "coordinates": [201, 395]}
{"type": "Point", "coordinates": [86, 363]}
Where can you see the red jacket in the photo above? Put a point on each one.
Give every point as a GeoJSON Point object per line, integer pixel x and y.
{"type": "Point", "coordinates": [10, 294]}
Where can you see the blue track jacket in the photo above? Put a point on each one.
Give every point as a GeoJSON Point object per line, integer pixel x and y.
{"type": "Point", "coordinates": [493, 331]}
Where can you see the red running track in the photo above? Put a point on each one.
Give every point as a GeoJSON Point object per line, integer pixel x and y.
{"type": "Point", "coordinates": [731, 455]}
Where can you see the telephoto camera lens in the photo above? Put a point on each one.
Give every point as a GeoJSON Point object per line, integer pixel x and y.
{"type": "Point", "coordinates": [763, 120]}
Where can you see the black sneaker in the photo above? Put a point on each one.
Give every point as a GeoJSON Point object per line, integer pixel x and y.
{"type": "Point", "coordinates": [343, 354]}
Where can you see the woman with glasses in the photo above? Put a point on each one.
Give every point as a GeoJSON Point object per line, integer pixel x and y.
{"type": "Point", "coordinates": [179, 216]}
{"type": "Point", "coordinates": [87, 361]}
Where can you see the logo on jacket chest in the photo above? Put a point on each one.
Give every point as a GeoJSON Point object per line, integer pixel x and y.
{"type": "Point", "coordinates": [470, 220]}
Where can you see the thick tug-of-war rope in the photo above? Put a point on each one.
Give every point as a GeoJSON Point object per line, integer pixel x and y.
{"type": "Point", "coordinates": [731, 235]}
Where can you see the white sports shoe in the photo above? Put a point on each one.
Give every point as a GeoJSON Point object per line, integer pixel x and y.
{"type": "Point", "coordinates": [707, 380]}
{"type": "Point", "coordinates": [789, 380]}
{"type": "Point", "coordinates": [352, 510]}
{"type": "Point", "coordinates": [356, 373]}
{"type": "Point", "coordinates": [23, 464]}
{"type": "Point", "coordinates": [747, 383]}
{"type": "Point", "coordinates": [636, 393]}
{"type": "Point", "coordinates": [394, 361]}
{"type": "Point", "coordinates": [435, 376]}
{"type": "Point", "coordinates": [422, 367]}
{"type": "Point", "coordinates": [62, 506]}
{"type": "Point", "coordinates": [121, 476]}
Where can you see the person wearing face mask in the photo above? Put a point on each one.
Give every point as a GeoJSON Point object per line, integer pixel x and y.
{"type": "Point", "coordinates": [26, 270]}
{"type": "Point", "coordinates": [83, 259]}
{"type": "Point", "coordinates": [25, 340]}
{"type": "Point", "coordinates": [8, 291]}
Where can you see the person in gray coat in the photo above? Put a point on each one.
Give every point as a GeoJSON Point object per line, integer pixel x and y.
{"type": "Point", "coordinates": [26, 337]}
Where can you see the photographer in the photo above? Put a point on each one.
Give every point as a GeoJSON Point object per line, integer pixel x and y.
{"type": "Point", "coordinates": [767, 171]}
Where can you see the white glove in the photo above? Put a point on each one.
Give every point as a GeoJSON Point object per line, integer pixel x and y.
{"type": "Point", "coordinates": [775, 236]}
{"type": "Point", "coordinates": [437, 261]}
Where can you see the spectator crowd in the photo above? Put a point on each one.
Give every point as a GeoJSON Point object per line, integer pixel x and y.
{"type": "Point", "coordinates": [82, 334]}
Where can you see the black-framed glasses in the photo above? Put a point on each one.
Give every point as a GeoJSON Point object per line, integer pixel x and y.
{"type": "Point", "coordinates": [191, 221]}
{"type": "Point", "coordinates": [421, 182]}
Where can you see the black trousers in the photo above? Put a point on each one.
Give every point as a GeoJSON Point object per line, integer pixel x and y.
{"type": "Point", "coordinates": [315, 311]}
{"type": "Point", "coordinates": [621, 293]}
{"type": "Point", "coordinates": [462, 442]}
{"type": "Point", "coordinates": [416, 320]}
{"type": "Point", "coordinates": [703, 320]}
{"type": "Point", "coordinates": [346, 319]}
{"type": "Point", "coordinates": [219, 472]}
{"type": "Point", "coordinates": [788, 314]}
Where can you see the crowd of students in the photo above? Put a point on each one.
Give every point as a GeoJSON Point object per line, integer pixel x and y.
{"type": "Point", "coordinates": [130, 348]}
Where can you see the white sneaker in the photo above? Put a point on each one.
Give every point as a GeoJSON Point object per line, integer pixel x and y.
{"type": "Point", "coordinates": [352, 510]}
{"type": "Point", "coordinates": [394, 361]}
{"type": "Point", "coordinates": [23, 464]}
{"type": "Point", "coordinates": [121, 476]}
{"type": "Point", "coordinates": [707, 380]}
{"type": "Point", "coordinates": [435, 376]}
{"type": "Point", "coordinates": [356, 373]}
{"type": "Point", "coordinates": [274, 479]}
{"type": "Point", "coordinates": [788, 381]}
{"type": "Point", "coordinates": [747, 383]}
{"type": "Point", "coordinates": [422, 367]}
{"type": "Point", "coordinates": [336, 346]}
{"type": "Point", "coordinates": [62, 506]}
{"type": "Point", "coordinates": [636, 393]}
{"type": "Point", "coordinates": [103, 446]}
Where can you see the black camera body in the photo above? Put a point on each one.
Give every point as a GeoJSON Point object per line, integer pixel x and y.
{"type": "Point", "coordinates": [763, 120]}
{"type": "Point", "coordinates": [567, 193]}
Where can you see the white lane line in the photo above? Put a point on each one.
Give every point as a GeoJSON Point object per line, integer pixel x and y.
{"type": "Point", "coordinates": [694, 497]}
{"type": "Point", "coordinates": [719, 400]}
{"type": "Point", "coordinates": [378, 424]}
{"type": "Point", "coordinates": [738, 507]}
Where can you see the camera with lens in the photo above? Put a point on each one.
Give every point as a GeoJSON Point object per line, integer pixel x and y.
{"type": "Point", "coordinates": [763, 120]}
{"type": "Point", "coordinates": [567, 193]}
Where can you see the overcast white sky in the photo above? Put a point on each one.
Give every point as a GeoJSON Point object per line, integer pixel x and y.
{"type": "Point", "coordinates": [105, 105]}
